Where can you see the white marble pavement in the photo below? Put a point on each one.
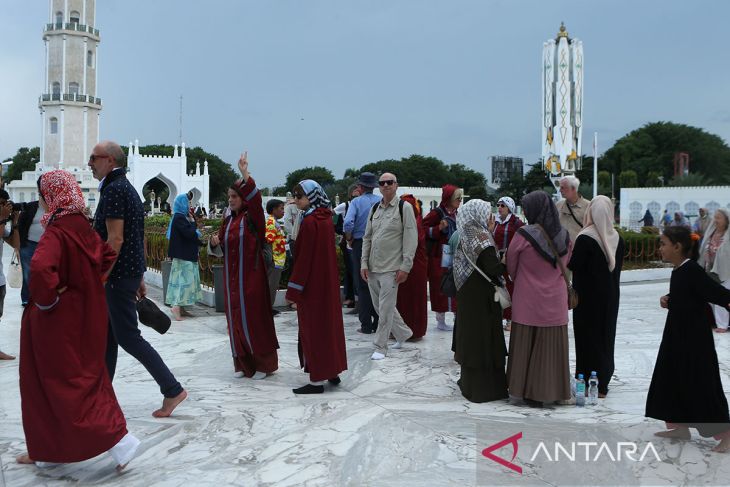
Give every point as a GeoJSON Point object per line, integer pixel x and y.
{"type": "Point", "coordinates": [397, 422]}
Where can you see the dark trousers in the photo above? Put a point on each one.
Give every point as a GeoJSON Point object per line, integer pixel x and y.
{"type": "Point", "coordinates": [121, 298]}
{"type": "Point", "coordinates": [366, 311]}
{"type": "Point", "coordinates": [26, 254]}
{"type": "Point", "coordinates": [349, 278]}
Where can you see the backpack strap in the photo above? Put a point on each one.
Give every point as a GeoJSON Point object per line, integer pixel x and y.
{"type": "Point", "coordinates": [375, 208]}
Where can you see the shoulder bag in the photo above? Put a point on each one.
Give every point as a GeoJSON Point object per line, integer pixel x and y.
{"type": "Point", "coordinates": [501, 295]}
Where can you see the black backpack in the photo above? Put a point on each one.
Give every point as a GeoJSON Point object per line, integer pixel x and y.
{"type": "Point", "coordinates": [400, 210]}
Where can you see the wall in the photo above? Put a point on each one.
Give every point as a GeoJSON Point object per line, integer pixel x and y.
{"type": "Point", "coordinates": [635, 201]}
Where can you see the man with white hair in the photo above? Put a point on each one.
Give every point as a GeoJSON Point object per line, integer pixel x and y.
{"type": "Point", "coordinates": [572, 208]}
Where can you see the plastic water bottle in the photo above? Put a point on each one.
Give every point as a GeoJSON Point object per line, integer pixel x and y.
{"type": "Point", "coordinates": [580, 391]}
{"type": "Point", "coordinates": [593, 389]}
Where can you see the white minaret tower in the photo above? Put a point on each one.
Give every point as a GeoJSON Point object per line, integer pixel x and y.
{"type": "Point", "coordinates": [70, 107]}
{"type": "Point", "coordinates": [562, 104]}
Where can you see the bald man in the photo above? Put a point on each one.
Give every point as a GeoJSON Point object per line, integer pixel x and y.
{"type": "Point", "coordinates": [119, 220]}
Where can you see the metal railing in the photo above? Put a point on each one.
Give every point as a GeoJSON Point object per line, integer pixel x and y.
{"type": "Point", "coordinates": [71, 97]}
{"type": "Point", "coordinates": [156, 252]}
{"type": "Point", "coordinates": [73, 26]}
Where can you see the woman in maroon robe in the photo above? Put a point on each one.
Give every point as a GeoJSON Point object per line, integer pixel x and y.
{"type": "Point", "coordinates": [70, 412]}
{"type": "Point", "coordinates": [504, 228]}
{"type": "Point", "coordinates": [314, 286]}
{"type": "Point", "coordinates": [440, 225]}
{"type": "Point", "coordinates": [240, 242]}
{"type": "Point", "coordinates": [412, 296]}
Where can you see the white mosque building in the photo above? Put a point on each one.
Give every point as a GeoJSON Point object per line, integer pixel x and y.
{"type": "Point", "coordinates": [70, 110]}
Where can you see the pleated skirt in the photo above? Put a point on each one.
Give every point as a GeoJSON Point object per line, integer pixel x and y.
{"type": "Point", "coordinates": [538, 367]}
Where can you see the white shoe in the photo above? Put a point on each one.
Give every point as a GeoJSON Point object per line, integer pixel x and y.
{"type": "Point", "coordinates": [377, 356]}
{"type": "Point", "coordinates": [259, 375]}
{"type": "Point", "coordinates": [397, 345]}
{"type": "Point", "coordinates": [238, 375]}
{"type": "Point", "coordinates": [124, 451]}
{"type": "Point", "coordinates": [444, 327]}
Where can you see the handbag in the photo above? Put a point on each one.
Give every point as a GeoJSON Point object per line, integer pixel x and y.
{"type": "Point", "coordinates": [501, 295]}
{"type": "Point", "coordinates": [15, 273]}
{"type": "Point", "coordinates": [572, 293]}
{"type": "Point", "coordinates": [448, 285]}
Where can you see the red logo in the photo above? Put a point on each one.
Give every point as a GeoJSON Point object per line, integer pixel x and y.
{"type": "Point", "coordinates": [487, 452]}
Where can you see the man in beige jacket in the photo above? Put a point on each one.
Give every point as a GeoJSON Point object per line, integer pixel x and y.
{"type": "Point", "coordinates": [572, 208]}
{"type": "Point", "coordinates": [388, 247]}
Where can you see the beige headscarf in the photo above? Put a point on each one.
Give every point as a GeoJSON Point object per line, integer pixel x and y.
{"type": "Point", "coordinates": [598, 224]}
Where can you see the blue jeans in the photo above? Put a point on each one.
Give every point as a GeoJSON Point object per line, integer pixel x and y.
{"type": "Point", "coordinates": [26, 254]}
{"type": "Point", "coordinates": [121, 298]}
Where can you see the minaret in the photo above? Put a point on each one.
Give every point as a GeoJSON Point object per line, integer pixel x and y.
{"type": "Point", "coordinates": [70, 106]}
{"type": "Point", "coordinates": [562, 104]}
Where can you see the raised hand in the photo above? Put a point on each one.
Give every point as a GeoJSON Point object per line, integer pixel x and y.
{"type": "Point", "coordinates": [243, 166]}
{"type": "Point", "coordinates": [214, 241]}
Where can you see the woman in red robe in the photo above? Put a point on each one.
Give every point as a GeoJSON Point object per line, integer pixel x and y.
{"type": "Point", "coordinates": [70, 412]}
{"type": "Point", "coordinates": [314, 286]}
{"type": "Point", "coordinates": [504, 228]}
{"type": "Point", "coordinates": [440, 225]}
{"type": "Point", "coordinates": [412, 295]}
{"type": "Point", "coordinates": [240, 242]}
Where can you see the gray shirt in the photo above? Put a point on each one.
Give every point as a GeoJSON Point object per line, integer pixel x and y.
{"type": "Point", "coordinates": [36, 229]}
{"type": "Point", "coordinates": [390, 243]}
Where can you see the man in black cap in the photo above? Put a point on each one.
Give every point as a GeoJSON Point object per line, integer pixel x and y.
{"type": "Point", "coordinates": [354, 227]}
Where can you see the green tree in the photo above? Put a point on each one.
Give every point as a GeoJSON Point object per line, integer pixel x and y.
{"type": "Point", "coordinates": [653, 179]}
{"type": "Point", "coordinates": [318, 173]}
{"type": "Point", "coordinates": [628, 179]}
{"type": "Point", "coordinates": [651, 148]}
{"type": "Point", "coordinates": [24, 160]}
{"type": "Point", "coordinates": [692, 179]}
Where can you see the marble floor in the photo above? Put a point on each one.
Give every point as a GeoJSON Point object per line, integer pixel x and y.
{"type": "Point", "coordinates": [396, 422]}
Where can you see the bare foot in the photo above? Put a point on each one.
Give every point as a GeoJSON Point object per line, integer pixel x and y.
{"type": "Point", "coordinates": [169, 404]}
{"type": "Point", "coordinates": [723, 446]}
{"type": "Point", "coordinates": [176, 313]}
{"type": "Point", "coordinates": [26, 460]}
{"type": "Point", "coordinates": [5, 356]}
{"type": "Point", "coordinates": [678, 434]}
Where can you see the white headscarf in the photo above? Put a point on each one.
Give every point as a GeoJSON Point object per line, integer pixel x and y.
{"type": "Point", "coordinates": [474, 237]}
{"type": "Point", "coordinates": [721, 266]}
{"type": "Point", "coordinates": [598, 224]}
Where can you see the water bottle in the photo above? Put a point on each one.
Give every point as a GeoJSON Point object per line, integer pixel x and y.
{"type": "Point", "coordinates": [580, 391]}
{"type": "Point", "coordinates": [593, 389]}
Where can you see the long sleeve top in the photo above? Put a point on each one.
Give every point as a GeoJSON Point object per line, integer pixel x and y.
{"type": "Point", "coordinates": [390, 239]}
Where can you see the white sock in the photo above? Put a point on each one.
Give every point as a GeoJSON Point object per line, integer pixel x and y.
{"type": "Point", "coordinates": [377, 356]}
{"type": "Point", "coordinates": [319, 383]}
{"type": "Point", "coordinates": [259, 375]}
{"type": "Point", "coordinates": [124, 451]}
{"type": "Point", "coordinates": [397, 345]}
{"type": "Point", "coordinates": [441, 318]}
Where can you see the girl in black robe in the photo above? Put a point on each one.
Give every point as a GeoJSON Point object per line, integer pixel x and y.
{"type": "Point", "coordinates": [686, 390]}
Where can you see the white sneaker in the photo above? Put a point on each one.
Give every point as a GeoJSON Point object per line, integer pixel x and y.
{"type": "Point", "coordinates": [377, 356]}
{"type": "Point", "coordinates": [238, 375]}
{"type": "Point", "coordinates": [259, 375]}
{"type": "Point", "coordinates": [444, 327]}
{"type": "Point", "coordinates": [124, 451]}
{"type": "Point", "coordinates": [397, 345]}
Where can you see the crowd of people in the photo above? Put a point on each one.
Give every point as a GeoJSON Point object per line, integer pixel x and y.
{"type": "Point", "coordinates": [508, 275]}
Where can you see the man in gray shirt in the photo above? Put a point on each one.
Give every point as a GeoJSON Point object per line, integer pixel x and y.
{"type": "Point", "coordinates": [388, 247]}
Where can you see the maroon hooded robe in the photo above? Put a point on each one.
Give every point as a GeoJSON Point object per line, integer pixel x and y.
{"type": "Point", "coordinates": [435, 238]}
{"type": "Point", "coordinates": [70, 412]}
{"type": "Point", "coordinates": [412, 296]}
{"type": "Point", "coordinates": [314, 286]}
{"type": "Point", "coordinates": [248, 303]}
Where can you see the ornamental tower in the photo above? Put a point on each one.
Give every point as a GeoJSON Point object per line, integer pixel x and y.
{"type": "Point", "coordinates": [562, 105]}
{"type": "Point", "coordinates": [70, 107]}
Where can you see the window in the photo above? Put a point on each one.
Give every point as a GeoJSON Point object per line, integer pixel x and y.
{"type": "Point", "coordinates": [59, 17]}
{"type": "Point", "coordinates": [32, 196]}
{"type": "Point", "coordinates": [54, 125]}
{"type": "Point", "coordinates": [56, 90]}
{"type": "Point", "coordinates": [75, 17]}
{"type": "Point", "coordinates": [712, 207]}
{"type": "Point", "coordinates": [22, 197]}
{"type": "Point", "coordinates": [635, 209]}
{"type": "Point", "coordinates": [90, 59]}
{"type": "Point", "coordinates": [73, 88]}
{"type": "Point", "coordinates": [691, 209]}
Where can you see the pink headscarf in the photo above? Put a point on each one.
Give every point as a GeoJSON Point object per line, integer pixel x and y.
{"type": "Point", "coordinates": [62, 194]}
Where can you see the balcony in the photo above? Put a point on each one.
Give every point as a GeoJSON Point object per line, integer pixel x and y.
{"type": "Point", "coordinates": [73, 27]}
{"type": "Point", "coordinates": [69, 97]}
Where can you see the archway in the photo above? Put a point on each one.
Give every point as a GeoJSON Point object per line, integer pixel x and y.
{"type": "Point", "coordinates": [165, 192]}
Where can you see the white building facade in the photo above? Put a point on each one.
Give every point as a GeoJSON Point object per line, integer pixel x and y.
{"type": "Point", "coordinates": [635, 202]}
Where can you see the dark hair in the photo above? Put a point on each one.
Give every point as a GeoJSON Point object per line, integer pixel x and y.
{"type": "Point", "coordinates": [4, 195]}
{"type": "Point", "coordinates": [271, 205]}
{"type": "Point", "coordinates": [682, 236]}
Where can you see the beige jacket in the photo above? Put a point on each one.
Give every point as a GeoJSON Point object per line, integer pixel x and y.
{"type": "Point", "coordinates": [390, 243]}
{"type": "Point", "coordinates": [567, 220]}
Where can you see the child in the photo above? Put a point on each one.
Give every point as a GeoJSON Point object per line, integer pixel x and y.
{"type": "Point", "coordinates": [686, 390]}
{"type": "Point", "coordinates": [275, 251]}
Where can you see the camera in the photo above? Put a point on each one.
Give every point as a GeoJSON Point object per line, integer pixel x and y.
{"type": "Point", "coordinates": [18, 206]}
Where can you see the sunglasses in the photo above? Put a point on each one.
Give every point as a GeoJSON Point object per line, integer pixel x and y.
{"type": "Point", "coordinates": [501, 205]}
{"type": "Point", "coordinates": [298, 196]}
{"type": "Point", "coordinates": [387, 182]}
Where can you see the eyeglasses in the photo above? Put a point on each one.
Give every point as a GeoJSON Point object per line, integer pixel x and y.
{"type": "Point", "coordinates": [94, 157]}
{"type": "Point", "coordinates": [387, 182]}
{"type": "Point", "coordinates": [298, 196]}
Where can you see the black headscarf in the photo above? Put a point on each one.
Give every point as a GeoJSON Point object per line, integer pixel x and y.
{"type": "Point", "coordinates": [540, 210]}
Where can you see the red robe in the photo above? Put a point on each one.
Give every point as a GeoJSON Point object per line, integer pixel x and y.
{"type": "Point", "coordinates": [412, 294]}
{"type": "Point", "coordinates": [248, 303]}
{"type": "Point", "coordinates": [70, 412]}
{"type": "Point", "coordinates": [435, 238]}
{"type": "Point", "coordinates": [502, 230]}
{"type": "Point", "coordinates": [314, 286]}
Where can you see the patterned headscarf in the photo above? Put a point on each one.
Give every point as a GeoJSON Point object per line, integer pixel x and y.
{"type": "Point", "coordinates": [474, 237]}
{"type": "Point", "coordinates": [510, 204]}
{"type": "Point", "coordinates": [315, 194]}
{"type": "Point", "coordinates": [62, 194]}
